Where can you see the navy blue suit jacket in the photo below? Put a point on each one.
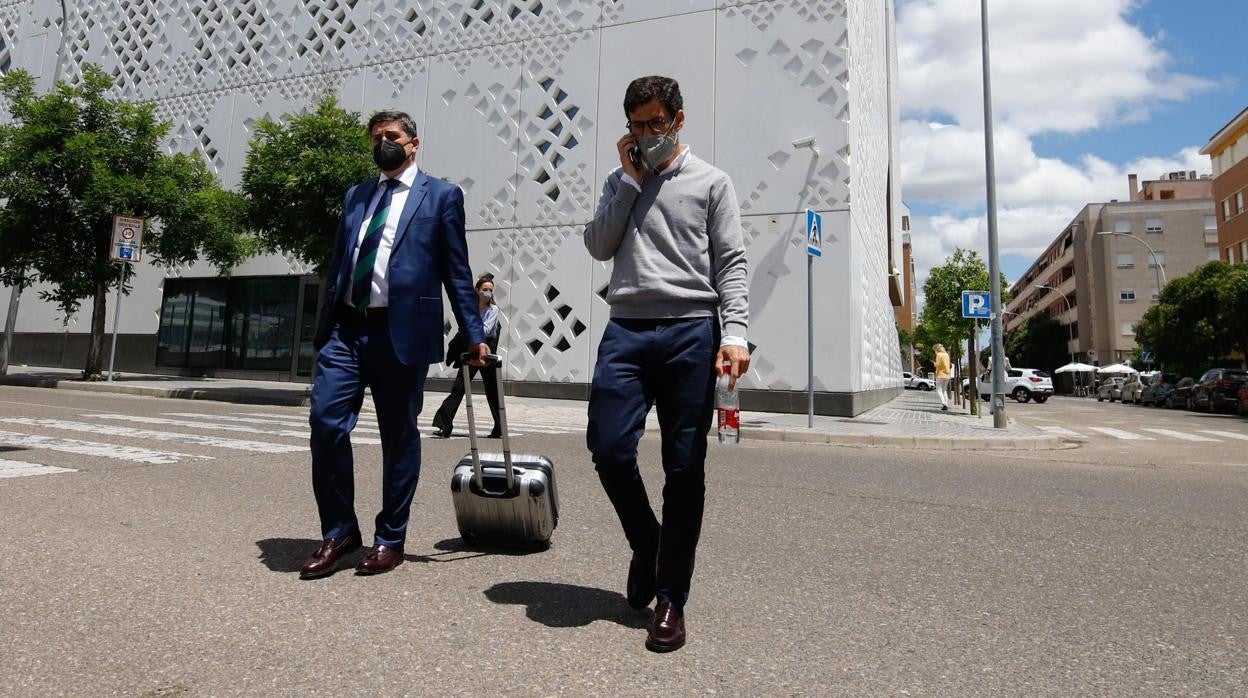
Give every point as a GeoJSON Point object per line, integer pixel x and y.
{"type": "Point", "coordinates": [430, 253]}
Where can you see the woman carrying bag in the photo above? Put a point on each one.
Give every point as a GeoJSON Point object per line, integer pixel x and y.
{"type": "Point", "coordinates": [444, 418]}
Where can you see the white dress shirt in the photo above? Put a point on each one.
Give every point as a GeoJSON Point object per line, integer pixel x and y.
{"type": "Point", "coordinates": [380, 296]}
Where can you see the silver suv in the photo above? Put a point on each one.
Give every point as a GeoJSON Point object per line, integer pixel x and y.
{"type": "Point", "coordinates": [1022, 384]}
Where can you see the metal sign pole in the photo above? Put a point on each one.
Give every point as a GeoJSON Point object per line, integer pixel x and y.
{"type": "Point", "coordinates": [810, 342]}
{"type": "Point", "coordinates": [112, 354]}
{"type": "Point", "coordinates": [994, 263]}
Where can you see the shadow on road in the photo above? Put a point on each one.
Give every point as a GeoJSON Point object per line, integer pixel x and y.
{"type": "Point", "coordinates": [289, 554]}
{"type": "Point", "coordinates": [567, 605]}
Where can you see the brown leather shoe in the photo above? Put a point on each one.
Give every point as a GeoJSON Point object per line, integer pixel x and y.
{"type": "Point", "coordinates": [327, 556]}
{"type": "Point", "coordinates": [667, 632]}
{"type": "Point", "coordinates": [380, 558]}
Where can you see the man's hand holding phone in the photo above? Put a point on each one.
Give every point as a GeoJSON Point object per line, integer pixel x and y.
{"type": "Point", "coordinates": [629, 159]}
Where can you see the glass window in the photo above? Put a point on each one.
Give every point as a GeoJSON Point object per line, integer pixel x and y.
{"type": "Point", "coordinates": [263, 322]}
{"type": "Point", "coordinates": [1230, 254]}
{"type": "Point", "coordinates": [1153, 225]}
{"type": "Point", "coordinates": [1226, 209]}
{"type": "Point", "coordinates": [1155, 295]}
{"type": "Point", "coordinates": [1239, 202]}
{"type": "Point", "coordinates": [307, 328]}
{"type": "Point", "coordinates": [1122, 225]}
{"type": "Point", "coordinates": [192, 323]}
{"type": "Point", "coordinates": [1243, 251]}
{"type": "Point", "coordinates": [1159, 256]}
{"type": "Point", "coordinates": [1213, 254]}
{"type": "Point", "coordinates": [1126, 260]}
{"type": "Point", "coordinates": [1211, 222]}
{"type": "Point", "coordinates": [1126, 294]}
{"type": "Point", "coordinates": [1128, 329]}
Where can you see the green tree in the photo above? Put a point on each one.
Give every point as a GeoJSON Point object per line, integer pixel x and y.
{"type": "Point", "coordinates": [1233, 307]}
{"type": "Point", "coordinates": [296, 174]}
{"type": "Point", "coordinates": [905, 341]}
{"type": "Point", "coordinates": [1190, 327]}
{"type": "Point", "coordinates": [942, 310]}
{"type": "Point", "coordinates": [73, 158]}
{"type": "Point", "coordinates": [1040, 343]}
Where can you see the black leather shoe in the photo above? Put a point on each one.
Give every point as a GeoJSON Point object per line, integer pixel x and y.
{"type": "Point", "coordinates": [641, 580]}
{"type": "Point", "coordinates": [667, 632]}
{"type": "Point", "coordinates": [441, 428]}
{"type": "Point", "coordinates": [495, 433]}
{"type": "Point", "coordinates": [327, 556]}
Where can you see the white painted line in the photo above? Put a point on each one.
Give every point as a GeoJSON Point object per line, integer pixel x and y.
{"type": "Point", "coordinates": [1227, 434]}
{"type": "Point", "coordinates": [1181, 436]}
{"type": "Point", "coordinates": [254, 418]}
{"type": "Point", "coordinates": [299, 434]}
{"type": "Point", "coordinates": [91, 448]}
{"type": "Point", "coordinates": [127, 432]}
{"type": "Point", "coordinates": [1120, 434]}
{"type": "Point", "coordinates": [16, 468]}
{"type": "Point", "coordinates": [1062, 431]}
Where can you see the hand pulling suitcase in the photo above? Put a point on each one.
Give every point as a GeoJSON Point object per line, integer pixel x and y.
{"type": "Point", "coordinates": [501, 499]}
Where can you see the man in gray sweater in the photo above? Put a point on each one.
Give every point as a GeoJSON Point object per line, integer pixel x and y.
{"type": "Point", "coordinates": [679, 310]}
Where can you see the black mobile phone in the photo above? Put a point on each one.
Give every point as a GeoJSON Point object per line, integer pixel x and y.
{"type": "Point", "coordinates": [635, 157]}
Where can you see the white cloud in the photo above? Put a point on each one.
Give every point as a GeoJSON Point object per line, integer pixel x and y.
{"type": "Point", "coordinates": [1061, 66]}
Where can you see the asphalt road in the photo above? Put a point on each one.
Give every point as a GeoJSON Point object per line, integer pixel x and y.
{"type": "Point", "coordinates": [162, 566]}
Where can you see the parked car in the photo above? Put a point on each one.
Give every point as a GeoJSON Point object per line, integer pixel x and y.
{"type": "Point", "coordinates": [1241, 406]}
{"type": "Point", "coordinates": [1110, 389]}
{"type": "Point", "coordinates": [1157, 389]}
{"type": "Point", "coordinates": [1132, 388]}
{"type": "Point", "coordinates": [1218, 389]}
{"type": "Point", "coordinates": [1181, 396]}
{"type": "Point", "coordinates": [1022, 384]}
{"type": "Point", "coordinates": [913, 382]}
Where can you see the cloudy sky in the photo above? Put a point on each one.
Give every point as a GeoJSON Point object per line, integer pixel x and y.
{"type": "Point", "coordinates": [1085, 92]}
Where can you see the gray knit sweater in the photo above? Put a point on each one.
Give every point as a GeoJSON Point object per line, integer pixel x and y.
{"type": "Point", "coordinates": [677, 246]}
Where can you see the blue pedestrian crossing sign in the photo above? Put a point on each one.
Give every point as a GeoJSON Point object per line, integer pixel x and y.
{"type": "Point", "coordinates": [814, 233]}
{"type": "Point", "coordinates": [975, 305]}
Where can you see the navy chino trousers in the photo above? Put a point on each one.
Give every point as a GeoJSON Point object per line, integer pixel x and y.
{"type": "Point", "coordinates": [668, 364]}
{"type": "Point", "coordinates": [359, 353]}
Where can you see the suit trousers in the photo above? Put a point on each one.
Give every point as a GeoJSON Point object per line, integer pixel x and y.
{"type": "Point", "coordinates": [669, 364]}
{"type": "Point", "coordinates": [359, 354]}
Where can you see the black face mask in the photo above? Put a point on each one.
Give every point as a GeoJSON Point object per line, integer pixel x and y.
{"type": "Point", "coordinates": [389, 155]}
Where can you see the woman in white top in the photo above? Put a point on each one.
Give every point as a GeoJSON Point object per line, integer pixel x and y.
{"type": "Point", "coordinates": [444, 418]}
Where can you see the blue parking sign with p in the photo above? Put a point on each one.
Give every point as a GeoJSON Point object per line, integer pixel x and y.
{"type": "Point", "coordinates": [125, 252]}
{"type": "Point", "coordinates": [975, 305]}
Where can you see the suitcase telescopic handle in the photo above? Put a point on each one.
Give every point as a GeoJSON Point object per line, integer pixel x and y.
{"type": "Point", "coordinates": [491, 360]}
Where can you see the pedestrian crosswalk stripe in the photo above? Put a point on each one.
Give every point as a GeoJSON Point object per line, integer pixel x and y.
{"type": "Point", "coordinates": [127, 432]}
{"type": "Point", "coordinates": [1120, 434]}
{"type": "Point", "coordinates": [1063, 431]}
{"type": "Point", "coordinates": [16, 468]}
{"type": "Point", "coordinates": [286, 420]}
{"type": "Point", "coordinates": [302, 434]}
{"type": "Point", "coordinates": [1227, 434]}
{"type": "Point", "coordinates": [1180, 435]}
{"type": "Point", "coordinates": [250, 420]}
{"type": "Point", "coordinates": [91, 448]}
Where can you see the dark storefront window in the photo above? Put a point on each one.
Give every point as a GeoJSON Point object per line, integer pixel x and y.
{"type": "Point", "coordinates": [307, 328]}
{"type": "Point", "coordinates": [240, 323]}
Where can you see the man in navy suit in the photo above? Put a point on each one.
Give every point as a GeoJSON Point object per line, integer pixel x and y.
{"type": "Point", "coordinates": [399, 243]}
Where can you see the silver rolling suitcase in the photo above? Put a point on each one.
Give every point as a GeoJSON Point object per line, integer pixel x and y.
{"type": "Point", "coordinates": [501, 499]}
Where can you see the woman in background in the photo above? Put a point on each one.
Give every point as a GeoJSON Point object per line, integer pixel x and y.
{"type": "Point", "coordinates": [444, 418]}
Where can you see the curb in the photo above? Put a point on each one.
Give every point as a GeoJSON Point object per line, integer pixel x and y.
{"type": "Point", "coordinates": [932, 443]}
{"type": "Point", "coordinates": [232, 395]}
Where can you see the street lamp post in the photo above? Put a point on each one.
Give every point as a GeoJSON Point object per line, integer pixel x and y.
{"type": "Point", "coordinates": [1161, 273]}
{"type": "Point", "coordinates": [994, 260]}
{"type": "Point", "coordinates": [1069, 326]}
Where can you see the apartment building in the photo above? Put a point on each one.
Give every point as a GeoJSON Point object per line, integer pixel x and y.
{"type": "Point", "coordinates": [1228, 150]}
{"type": "Point", "coordinates": [1107, 265]}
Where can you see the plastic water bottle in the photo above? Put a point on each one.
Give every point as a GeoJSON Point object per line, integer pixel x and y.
{"type": "Point", "coordinates": [728, 409]}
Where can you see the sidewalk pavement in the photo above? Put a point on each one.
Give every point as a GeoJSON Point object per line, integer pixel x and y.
{"type": "Point", "coordinates": [911, 420]}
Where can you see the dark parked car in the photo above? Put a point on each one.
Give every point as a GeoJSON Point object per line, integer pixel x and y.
{"type": "Point", "coordinates": [1181, 396]}
{"type": "Point", "coordinates": [1242, 405]}
{"type": "Point", "coordinates": [1218, 389]}
{"type": "Point", "coordinates": [1158, 389]}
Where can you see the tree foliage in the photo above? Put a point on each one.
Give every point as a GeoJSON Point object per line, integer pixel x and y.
{"type": "Point", "coordinates": [296, 173]}
{"type": "Point", "coordinates": [1040, 343]}
{"type": "Point", "coordinates": [942, 319]}
{"type": "Point", "coordinates": [73, 158]}
{"type": "Point", "coordinates": [1199, 320]}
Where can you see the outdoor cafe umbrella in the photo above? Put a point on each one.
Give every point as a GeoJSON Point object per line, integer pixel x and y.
{"type": "Point", "coordinates": [1076, 367]}
{"type": "Point", "coordinates": [1116, 368]}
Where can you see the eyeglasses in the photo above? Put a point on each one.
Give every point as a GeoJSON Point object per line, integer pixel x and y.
{"type": "Point", "coordinates": [658, 124]}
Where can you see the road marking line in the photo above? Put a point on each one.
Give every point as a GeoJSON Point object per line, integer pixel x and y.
{"type": "Point", "coordinates": [1181, 436]}
{"type": "Point", "coordinates": [301, 434]}
{"type": "Point", "coordinates": [1227, 434]}
{"type": "Point", "coordinates": [1120, 434]}
{"type": "Point", "coordinates": [91, 448]}
{"type": "Point", "coordinates": [1062, 431]}
{"type": "Point", "coordinates": [16, 468]}
{"type": "Point", "coordinates": [291, 421]}
{"type": "Point", "coordinates": [127, 432]}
